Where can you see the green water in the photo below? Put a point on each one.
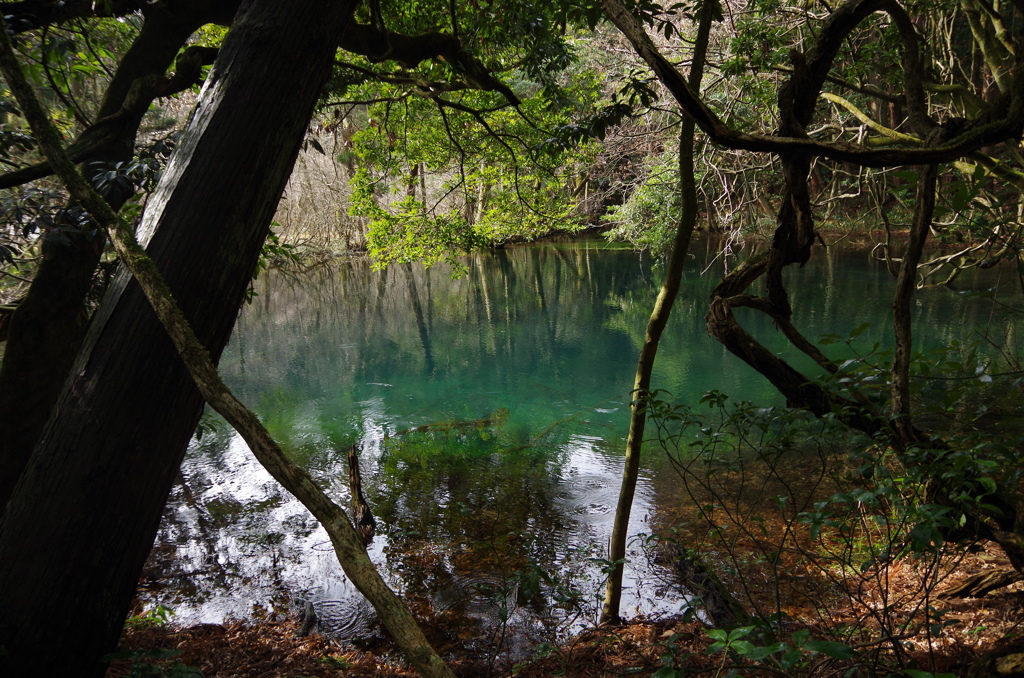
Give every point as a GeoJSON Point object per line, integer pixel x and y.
{"type": "Point", "coordinates": [491, 411]}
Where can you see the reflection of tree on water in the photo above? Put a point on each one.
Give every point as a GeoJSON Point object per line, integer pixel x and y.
{"type": "Point", "coordinates": [476, 519]}
{"type": "Point", "coordinates": [421, 323]}
{"type": "Point", "coordinates": [330, 358]}
{"type": "Point", "coordinates": [230, 542]}
{"type": "Point", "coordinates": [356, 322]}
{"type": "Point", "coordinates": [471, 512]}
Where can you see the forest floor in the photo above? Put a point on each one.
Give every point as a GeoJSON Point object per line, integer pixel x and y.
{"type": "Point", "coordinates": [971, 630]}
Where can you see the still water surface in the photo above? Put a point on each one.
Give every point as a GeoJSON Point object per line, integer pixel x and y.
{"type": "Point", "coordinates": [491, 410]}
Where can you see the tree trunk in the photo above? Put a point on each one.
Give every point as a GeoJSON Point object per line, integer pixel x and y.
{"type": "Point", "coordinates": [362, 516]}
{"type": "Point", "coordinates": [655, 326]}
{"type": "Point", "coordinates": [901, 306]}
{"type": "Point", "coordinates": [47, 329]}
{"type": "Point", "coordinates": [982, 583]}
{"type": "Point", "coordinates": [83, 516]}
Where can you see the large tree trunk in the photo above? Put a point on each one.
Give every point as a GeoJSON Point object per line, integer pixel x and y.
{"type": "Point", "coordinates": [83, 516]}
{"type": "Point", "coordinates": [47, 329]}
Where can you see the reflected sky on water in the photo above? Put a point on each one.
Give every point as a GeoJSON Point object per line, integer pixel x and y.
{"type": "Point", "coordinates": [491, 411]}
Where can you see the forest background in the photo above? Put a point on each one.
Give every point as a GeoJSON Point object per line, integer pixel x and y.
{"type": "Point", "coordinates": [428, 130]}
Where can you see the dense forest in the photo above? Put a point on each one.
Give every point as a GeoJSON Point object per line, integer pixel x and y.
{"type": "Point", "coordinates": [159, 156]}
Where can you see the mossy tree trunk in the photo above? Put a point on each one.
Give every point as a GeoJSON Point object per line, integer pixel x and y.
{"type": "Point", "coordinates": [49, 324]}
{"type": "Point", "coordinates": [656, 326]}
{"type": "Point", "coordinates": [83, 516]}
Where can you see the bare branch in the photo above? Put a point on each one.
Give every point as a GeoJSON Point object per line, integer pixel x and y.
{"type": "Point", "coordinates": [1004, 121]}
{"type": "Point", "coordinates": [411, 50]}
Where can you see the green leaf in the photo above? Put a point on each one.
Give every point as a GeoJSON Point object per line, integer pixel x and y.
{"type": "Point", "coordinates": [759, 653]}
{"type": "Point", "coordinates": [961, 198]}
{"type": "Point", "coordinates": [791, 659]}
{"type": "Point", "coordinates": [740, 632]}
{"type": "Point", "coordinates": [989, 484]}
{"type": "Point", "coordinates": [743, 647]}
{"type": "Point", "coordinates": [859, 329]}
{"type": "Point", "coordinates": [831, 649]}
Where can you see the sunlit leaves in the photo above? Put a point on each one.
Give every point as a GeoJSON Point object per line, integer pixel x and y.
{"type": "Point", "coordinates": [648, 217]}
{"type": "Point", "coordinates": [445, 167]}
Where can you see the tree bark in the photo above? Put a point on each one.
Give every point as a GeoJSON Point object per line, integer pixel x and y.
{"type": "Point", "coordinates": [83, 516]}
{"type": "Point", "coordinates": [1003, 120]}
{"type": "Point", "coordinates": [655, 327]}
{"type": "Point", "coordinates": [348, 544]}
{"type": "Point", "coordinates": [50, 323]}
{"type": "Point", "coordinates": [981, 584]}
{"type": "Point", "coordinates": [361, 513]}
{"type": "Point", "coordinates": [901, 310]}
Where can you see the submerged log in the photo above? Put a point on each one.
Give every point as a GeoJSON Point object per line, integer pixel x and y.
{"type": "Point", "coordinates": [364, 520]}
{"type": "Point", "coordinates": [496, 418]}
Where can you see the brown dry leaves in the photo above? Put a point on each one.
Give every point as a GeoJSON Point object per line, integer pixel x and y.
{"type": "Point", "coordinates": [268, 649]}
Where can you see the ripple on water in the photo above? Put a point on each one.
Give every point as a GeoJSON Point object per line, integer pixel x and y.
{"type": "Point", "coordinates": [477, 594]}
{"type": "Point", "coordinates": [586, 495]}
{"type": "Point", "coordinates": [591, 509]}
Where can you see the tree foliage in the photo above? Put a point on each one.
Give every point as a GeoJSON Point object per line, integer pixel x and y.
{"type": "Point", "coordinates": [960, 126]}
{"type": "Point", "coordinates": [448, 159]}
{"type": "Point", "coordinates": [474, 124]}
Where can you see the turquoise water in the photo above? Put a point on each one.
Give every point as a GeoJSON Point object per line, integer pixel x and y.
{"type": "Point", "coordinates": [491, 411]}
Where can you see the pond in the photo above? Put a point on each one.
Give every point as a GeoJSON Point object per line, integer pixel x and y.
{"type": "Point", "coordinates": [490, 411]}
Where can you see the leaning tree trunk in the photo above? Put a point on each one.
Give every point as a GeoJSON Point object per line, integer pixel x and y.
{"type": "Point", "coordinates": [655, 327]}
{"type": "Point", "coordinates": [49, 325]}
{"type": "Point", "coordinates": [348, 544]}
{"type": "Point", "coordinates": [83, 516]}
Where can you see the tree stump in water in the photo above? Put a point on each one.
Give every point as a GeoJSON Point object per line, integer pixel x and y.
{"type": "Point", "coordinates": [363, 518]}
{"type": "Point", "coordinates": [309, 620]}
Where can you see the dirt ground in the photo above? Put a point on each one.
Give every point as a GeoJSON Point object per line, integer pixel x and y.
{"type": "Point", "coordinates": [970, 628]}
{"type": "Point", "coordinates": [273, 650]}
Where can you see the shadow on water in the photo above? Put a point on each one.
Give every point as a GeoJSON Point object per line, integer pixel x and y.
{"type": "Point", "coordinates": [491, 410]}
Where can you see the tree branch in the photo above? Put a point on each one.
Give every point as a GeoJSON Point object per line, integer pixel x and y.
{"type": "Point", "coordinates": [94, 139]}
{"type": "Point", "coordinates": [870, 122]}
{"type": "Point", "coordinates": [346, 540]}
{"type": "Point", "coordinates": [411, 50]}
{"type": "Point", "coordinates": [1005, 119]}
{"type": "Point", "coordinates": [32, 14]}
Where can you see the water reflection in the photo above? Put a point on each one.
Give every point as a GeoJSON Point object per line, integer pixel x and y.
{"type": "Point", "coordinates": [491, 411]}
